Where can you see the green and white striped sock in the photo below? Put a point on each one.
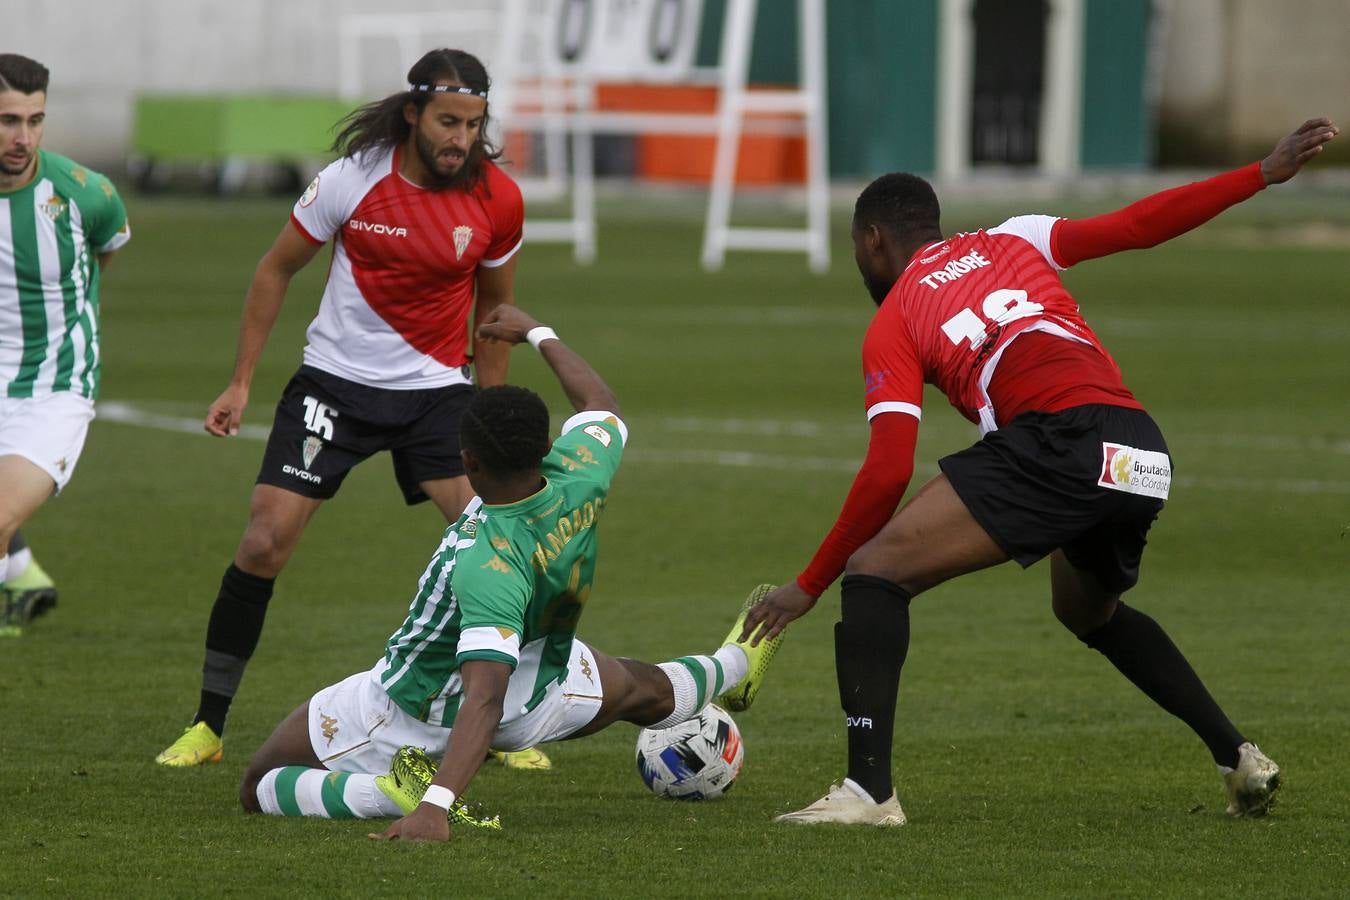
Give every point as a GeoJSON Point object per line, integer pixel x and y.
{"type": "Point", "coordinates": [696, 680]}
{"type": "Point", "coordinates": [300, 791]}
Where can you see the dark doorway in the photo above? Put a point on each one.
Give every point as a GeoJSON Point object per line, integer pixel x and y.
{"type": "Point", "coordinates": [1009, 80]}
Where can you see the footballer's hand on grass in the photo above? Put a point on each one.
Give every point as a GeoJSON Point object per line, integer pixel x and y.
{"type": "Point", "coordinates": [222, 419]}
{"type": "Point", "coordinates": [771, 615]}
{"type": "Point", "coordinates": [1296, 149]}
{"type": "Point", "coordinates": [427, 822]}
{"type": "Point", "coordinates": [506, 323]}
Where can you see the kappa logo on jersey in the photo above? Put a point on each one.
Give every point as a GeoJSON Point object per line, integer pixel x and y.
{"type": "Point", "coordinates": [500, 543]}
{"type": "Point", "coordinates": [310, 449]}
{"type": "Point", "coordinates": [462, 234]}
{"type": "Point", "coordinates": [497, 565]}
{"type": "Point", "coordinates": [1134, 471]}
{"type": "Point", "coordinates": [54, 207]}
{"type": "Point", "coordinates": [377, 228]}
{"type": "Point", "coordinates": [329, 726]}
{"type": "Point", "coordinates": [310, 192]}
{"type": "Point", "coordinates": [955, 269]}
{"type": "Point", "coordinates": [586, 667]}
{"type": "Point", "coordinates": [598, 433]}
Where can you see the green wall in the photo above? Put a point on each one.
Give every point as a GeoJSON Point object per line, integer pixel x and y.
{"type": "Point", "coordinates": [882, 66]}
{"type": "Point", "coordinates": [882, 73]}
{"type": "Point", "coordinates": [1115, 111]}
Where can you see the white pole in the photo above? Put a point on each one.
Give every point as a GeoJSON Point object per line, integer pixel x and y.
{"type": "Point", "coordinates": [583, 177]}
{"type": "Point", "coordinates": [956, 67]}
{"type": "Point", "coordinates": [1061, 119]}
{"type": "Point", "coordinates": [811, 40]}
{"type": "Point", "coordinates": [737, 32]}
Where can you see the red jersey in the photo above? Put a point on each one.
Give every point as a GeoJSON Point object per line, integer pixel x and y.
{"type": "Point", "coordinates": [984, 317]}
{"type": "Point", "coordinates": [395, 311]}
{"type": "Point", "coordinates": [958, 307]}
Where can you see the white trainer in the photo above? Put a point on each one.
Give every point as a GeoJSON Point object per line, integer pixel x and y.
{"type": "Point", "coordinates": [848, 804]}
{"type": "Point", "coordinates": [1252, 785]}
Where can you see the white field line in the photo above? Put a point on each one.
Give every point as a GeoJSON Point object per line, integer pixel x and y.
{"type": "Point", "coordinates": [129, 414]}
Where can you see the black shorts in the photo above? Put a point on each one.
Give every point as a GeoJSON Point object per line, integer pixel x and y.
{"type": "Point", "coordinates": [325, 425]}
{"type": "Point", "coordinates": [1035, 486]}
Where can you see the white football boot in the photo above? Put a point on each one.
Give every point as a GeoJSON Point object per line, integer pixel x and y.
{"type": "Point", "coordinates": [848, 804]}
{"type": "Point", "coordinates": [1252, 785]}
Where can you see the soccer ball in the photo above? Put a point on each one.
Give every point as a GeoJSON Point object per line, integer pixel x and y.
{"type": "Point", "coordinates": [696, 760]}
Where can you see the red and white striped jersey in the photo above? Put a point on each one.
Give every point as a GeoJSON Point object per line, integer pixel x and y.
{"type": "Point", "coordinates": [395, 311]}
{"type": "Point", "coordinates": [958, 306]}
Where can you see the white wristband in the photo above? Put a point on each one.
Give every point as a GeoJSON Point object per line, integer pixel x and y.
{"type": "Point", "coordinates": [439, 796]}
{"type": "Point", "coordinates": [540, 333]}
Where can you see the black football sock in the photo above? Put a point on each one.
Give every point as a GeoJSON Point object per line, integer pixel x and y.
{"type": "Point", "coordinates": [231, 637]}
{"type": "Point", "coordinates": [870, 645]}
{"type": "Point", "coordinates": [16, 543]}
{"type": "Point", "coordinates": [1142, 651]}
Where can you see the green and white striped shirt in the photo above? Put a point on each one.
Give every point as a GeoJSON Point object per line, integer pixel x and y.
{"type": "Point", "coordinates": [508, 584]}
{"type": "Point", "coordinates": [51, 230]}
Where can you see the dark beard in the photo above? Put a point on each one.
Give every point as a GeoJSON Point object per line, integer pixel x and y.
{"type": "Point", "coordinates": [877, 287]}
{"type": "Point", "coordinates": [427, 153]}
{"type": "Point", "coordinates": [14, 173]}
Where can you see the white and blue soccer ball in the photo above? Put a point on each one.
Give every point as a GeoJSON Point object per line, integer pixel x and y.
{"type": "Point", "coordinates": [698, 759]}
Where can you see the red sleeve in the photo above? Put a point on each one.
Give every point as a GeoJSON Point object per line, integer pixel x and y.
{"type": "Point", "coordinates": [872, 500]}
{"type": "Point", "coordinates": [507, 208]}
{"type": "Point", "coordinates": [1154, 219]}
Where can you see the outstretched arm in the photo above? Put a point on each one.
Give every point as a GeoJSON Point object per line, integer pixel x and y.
{"type": "Point", "coordinates": [1174, 212]}
{"type": "Point", "coordinates": [876, 492]}
{"type": "Point", "coordinates": [584, 387]}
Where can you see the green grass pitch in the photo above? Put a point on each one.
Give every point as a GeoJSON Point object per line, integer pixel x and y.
{"type": "Point", "coordinates": [1027, 765]}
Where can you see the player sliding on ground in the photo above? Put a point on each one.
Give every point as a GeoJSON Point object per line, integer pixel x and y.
{"type": "Point", "coordinates": [1069, 464]}
{"type": "Point", "coordinates": [488, 656]}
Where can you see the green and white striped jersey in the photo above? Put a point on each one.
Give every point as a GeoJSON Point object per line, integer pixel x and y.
{"type": "Point", "coordinates": [51, 229]}
{"type": "Point", "coordinates": [508, 583]}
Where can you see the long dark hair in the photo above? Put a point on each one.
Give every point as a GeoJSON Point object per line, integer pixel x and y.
{"type": "Point", "coordinates": [380, 124]}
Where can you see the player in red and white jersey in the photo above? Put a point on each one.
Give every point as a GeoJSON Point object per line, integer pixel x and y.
{"type": "Point", "coordinates": [406, 264]}
{"type": "Point", "coordinates": [1069, 464]}
{"type": "Point", "coordinates": [425, 230]}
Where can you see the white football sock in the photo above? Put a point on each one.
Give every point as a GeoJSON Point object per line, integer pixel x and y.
{"type": "Point", "coordinates": [696, 680]}
{"type": "Point", "coordinates": [300, 791]}
{"type": "Point", "coordinates": [18, 564]}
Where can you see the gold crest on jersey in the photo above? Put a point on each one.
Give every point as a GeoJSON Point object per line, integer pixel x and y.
{"type": "Point", "coordinates": [54, 207]}
{"type": "Point", "coordinates": [462, 234]}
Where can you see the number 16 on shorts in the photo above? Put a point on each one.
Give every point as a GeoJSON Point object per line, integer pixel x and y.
{"type": "Point", "coordinates": [319, 418]}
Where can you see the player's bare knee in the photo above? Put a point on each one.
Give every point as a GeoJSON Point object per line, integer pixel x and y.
{"type": "Point", "coordinates": [866, 561]}
{"type": "Point", "coordinates": [263, 551]}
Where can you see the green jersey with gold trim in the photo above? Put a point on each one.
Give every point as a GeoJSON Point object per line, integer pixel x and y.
{"type": "Point", "coordinates": [51, 230]}
{"type": "Point", "coordinates": [508, 583]}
